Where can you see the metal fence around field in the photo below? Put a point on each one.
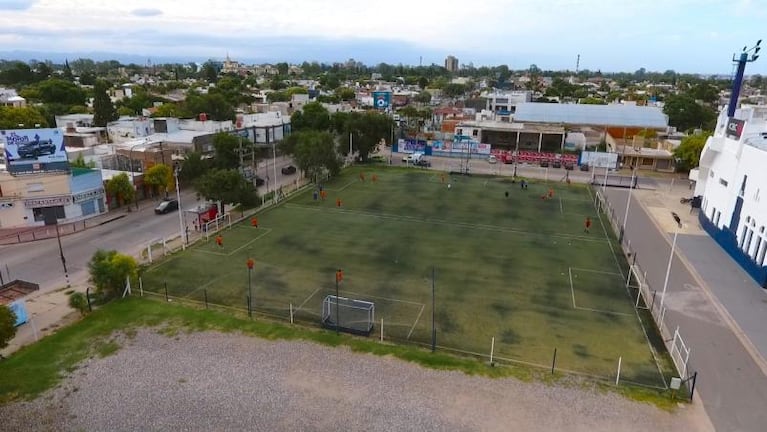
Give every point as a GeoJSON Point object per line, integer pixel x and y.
{"type": "Point", "coordinates": [648, 298]}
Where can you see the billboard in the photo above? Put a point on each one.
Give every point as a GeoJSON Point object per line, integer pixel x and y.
{"type": "Point", "coordinates": [462, 147]}
{"type": "Point", "coordinates": [382, 100]}
{"type": "Point", "coordinates": [599, 159]}
{"type": "Point", "coordinates": [28, 150]}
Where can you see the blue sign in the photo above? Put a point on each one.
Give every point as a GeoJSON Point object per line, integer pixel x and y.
{"type": "Point", "coordinates": [382, 100]}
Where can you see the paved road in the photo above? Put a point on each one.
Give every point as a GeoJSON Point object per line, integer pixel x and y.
{"type": "Point", "coordinates": [731, 384]}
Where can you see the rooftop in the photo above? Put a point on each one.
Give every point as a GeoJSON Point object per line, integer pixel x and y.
{"type": "Point", "coordinates": [596, 115]}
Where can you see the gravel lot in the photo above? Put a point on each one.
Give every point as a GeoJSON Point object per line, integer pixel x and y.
{"type": "Point", "coordinates": [213, 381]}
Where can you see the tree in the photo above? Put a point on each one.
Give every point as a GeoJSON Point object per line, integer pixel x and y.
{"type": "Point", "coordinates": [193, 166]}
{"type": "Point", "coordinates": [17, 75]}
{"type": "Point", "coordinates": [227, 186]}
{"type": "Point", "coordinates": [593, 101]}
{"type": "Point", "coordinates": [55, 91]}
{"type": "Point", "coordinates": [454, 90]}
{"type": "Point", "coordinates": [215, 105]}
{"type": "Point", "coordinates": [423, 97]}
{"type": "Point", "coordinates": [688, 153]}
{"type": "Point", "coordinates": [160, 176]}
{"type": "Point", "coordinates": [79, 162]}
{"type": "Point", "coordinates": [685, 113]}
{"type": "Point", "coordinates": [366, 131]}
{"type": "Point", "coordinates": [120, 187]}
{"type": "Point", "coordinates": [315, 153]}
{"type": "Point", "coordinates": [313, 116]}
{"type": "Point", "coordinates": [11, 118]}
{"type": "Point", "coordinates": [423, 82]}
{"type": "Point", "coordinates": [209, 72]}
{"type": "Point", "coordinates": [170, 109]}
{"type": "Point", "coordinates": [103, 109]}
{"type": "Point", "coordinates": [346, 93]}
{"type": "Point", "coordinates": [7, 325]}
{"type": "Point", "coordinates": [227, 149]}
{"type": "Point", "coordinates": [109, 271]}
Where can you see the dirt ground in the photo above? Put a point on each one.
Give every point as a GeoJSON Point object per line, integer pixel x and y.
{"type": "Point", "coordinates": [214, 381]}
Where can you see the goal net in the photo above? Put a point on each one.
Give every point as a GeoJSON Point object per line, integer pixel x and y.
{"type": "Point", "coordinates": [348, 315]}
{"type": "Point", "coordinates": [220, 222]}
{"type": "Point", "coordinates": [637, 280]}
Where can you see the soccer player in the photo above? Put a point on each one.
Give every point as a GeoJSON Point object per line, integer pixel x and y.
{"type": "Point", "coordinates": [507, 194]}
{"type": "Point", "coordinates": [551, 193]}
{"type": "Point", "coordinates": [338, 202]}
{"type": "Point", "coordinates": [220, 241]}
{"type": "Point", "coordinates": [254, 222]}
{"type": "Point", "coordinates": [587, 225]}
{"type": "Point", "coordinates": [362, 176]}
{"type": "Point", "coordinates": [374, 178]}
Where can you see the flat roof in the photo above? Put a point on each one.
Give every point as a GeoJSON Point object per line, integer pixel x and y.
{"type": "Point", "coordinates": [596, 115]}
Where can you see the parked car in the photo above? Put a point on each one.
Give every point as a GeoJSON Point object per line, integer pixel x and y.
{"type": "Point", "coordinates": [166, 206]}
{"type": "Point", "coordinates": [545, 163]}
{"type": "Point", "coordinates": [584, 167]}
{"type": "Point", "coordinates": [492, 159]}
{"type": "Point", "coordinates": [423, 163]}
{"type": "Point", "coordinates": [36, 148]}
{"type": "Point", "coordinates": [556, 164]}
{"type": "Point", "coordinates": [260, 181]}
{"type": "Point", "coordinates": [288, 170]}
{"type": "Point", "coordinates": [569, 166]}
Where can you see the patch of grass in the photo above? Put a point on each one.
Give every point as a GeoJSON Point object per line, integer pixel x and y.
{"type": "Point", "coordinates": [41, 366]}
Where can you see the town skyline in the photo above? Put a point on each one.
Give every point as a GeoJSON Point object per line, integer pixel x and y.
{"type": "Point", "coordinates": [684, 36]}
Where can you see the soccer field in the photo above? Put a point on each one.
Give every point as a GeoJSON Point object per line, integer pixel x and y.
{"type": "Point", "coordinates": [517, 268]}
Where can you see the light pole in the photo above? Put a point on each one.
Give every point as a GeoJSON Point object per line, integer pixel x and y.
{"type": "Point", "coordinates": [628, 203]}
{"type": "Point", "coordinates": [61, 253]}
{"type": "Point", "coordinates": [670, 259]}
{"type": "Point", "coordinates": [181, 230]}
{"type": "Point", "coordinates": [250, 264]}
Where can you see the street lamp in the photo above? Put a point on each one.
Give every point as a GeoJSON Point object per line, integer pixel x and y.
{"type": "Point", "coordinates": [250, 264]}
{"type": "Point", "coordinates": [741, 61]}
{"type": "Point", "coordinates": [670, 259]}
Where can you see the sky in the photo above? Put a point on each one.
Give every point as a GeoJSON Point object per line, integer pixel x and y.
{"type": "Point", "coordinates": [696, 36]}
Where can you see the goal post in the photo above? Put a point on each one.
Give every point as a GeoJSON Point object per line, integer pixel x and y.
{"type": "Point", "coordinates": [636, 279]}
{"type": "Point", "coordinates": [215, 225]}
{"type": "Point", "coordinates": [354, 316]}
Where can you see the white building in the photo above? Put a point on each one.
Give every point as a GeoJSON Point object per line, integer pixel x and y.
{"type": "Point", "coordinates": [506, 103]}
{"type": "Point", "coordinates": [730, 179]}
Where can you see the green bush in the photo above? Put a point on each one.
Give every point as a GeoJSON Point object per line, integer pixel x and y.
{"type": "Point", "coordinates": [78, 302]}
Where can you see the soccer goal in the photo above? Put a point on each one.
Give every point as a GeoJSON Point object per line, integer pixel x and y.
{"type": "Point", "coordinates": [220, 222]}
{"type": "Point", "coordinates": [348, 315]}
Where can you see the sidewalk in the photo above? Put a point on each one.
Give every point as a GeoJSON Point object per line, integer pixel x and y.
{"type": "Point", "coordinates": [28, 234]}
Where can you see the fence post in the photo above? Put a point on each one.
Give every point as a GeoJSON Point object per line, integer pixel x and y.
{"type": "Point", "coordinates": [554, 361]}
{"type": "Point", "coordinates": [88, 297]}
{"type": "Point", "coordinates": [692, 388]}
{"type": "Point", "coordinates": [492, 350]}
{"type": "Point", "coordinates": [205, 293]}
{"type": "Point", "coordinates": [382, 330]}
{"type": "Point", "coordinates": [250, 313]}
{"type": "Point", "coordinates": [166, 290]}
{"type": "Point", "coordinates": [141, 286]}
{"type": "Point", "coordinates": [618, 376]}
{"type": "Point", "coordinates": [291, 313]}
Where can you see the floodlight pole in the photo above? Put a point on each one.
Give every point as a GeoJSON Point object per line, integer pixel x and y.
{"type": "Point", "coordinates": [181, 230]}
{"type": "Point", "coordinates": [337, 312]}
{"type": "Point", "coordinates": [741, 61]}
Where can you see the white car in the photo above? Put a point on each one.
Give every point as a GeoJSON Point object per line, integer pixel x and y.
{"type": "Point", "coordinates": [492, 159]}
{"type": "Point", "coordinates": [407, 158]}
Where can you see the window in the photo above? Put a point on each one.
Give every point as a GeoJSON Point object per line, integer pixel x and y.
{"type": "Point", "coordinates": [742, 238]}
{"type": "Point", "coordinates": [39, 213]}
{"type": "Point", "coordinates": [718, 216]}
{"type": "Point", "coordinates": [459, 131]}
{"type": "Point", "coordinates": [758, 244]}
{"type": "Point", "coordinates": [474, 132]}
{"type": "Point", "coordinates": [760, 257]}
{"type": "Point", "coordinates": [747, 244]}
{"type": "Point", "coordinates": [723, 182]}
{"type": "Point", "coordinates": [711, 174]}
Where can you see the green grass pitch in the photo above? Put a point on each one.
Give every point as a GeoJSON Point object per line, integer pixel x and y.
{"type": "Point", "coordinates": [517, 268]}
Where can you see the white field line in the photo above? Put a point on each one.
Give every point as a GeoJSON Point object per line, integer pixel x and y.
{"type": "Point", "coordinates": [561, 210]}
{"type": "Point", "coordinates": [268, 230]}
{"type": "Point", "coordinates": [306, 300]}
{"type": "Point", "coordinates": [572, 292]}
{"type": "Point", "coordinates": [596, 271]}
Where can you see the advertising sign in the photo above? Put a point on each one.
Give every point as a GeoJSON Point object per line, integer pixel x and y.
{"type": "Point", "coordinates": [412, 146]}
{"type": "Point", "coordinates": [34, 150]}
{"type": "Point", "coordinates": [599, 159]}
{"type": "Point", "coordinates": [382, 100]}
{"type": "Point", "coordinates": [735, 128]}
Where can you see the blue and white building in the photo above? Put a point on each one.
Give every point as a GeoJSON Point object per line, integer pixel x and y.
{"type": "Point", "coordinates": [731, 176]}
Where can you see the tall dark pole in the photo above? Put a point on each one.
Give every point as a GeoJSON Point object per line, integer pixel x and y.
{"type": "Point", "coordinates": [736, 84]}
{"type": "Point", "coordinates": [433, 313]}
{"type": "Point", "coordinates": [61, 253]}
{"type": "Point", "coordinates": [337, 311]}
{"type": "Point", "coordinates": [250, 293]}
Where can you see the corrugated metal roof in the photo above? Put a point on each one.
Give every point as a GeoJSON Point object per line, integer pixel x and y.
{"type": "Point", "coordinates": [595, 115]}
